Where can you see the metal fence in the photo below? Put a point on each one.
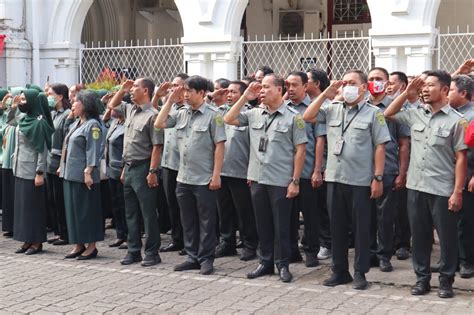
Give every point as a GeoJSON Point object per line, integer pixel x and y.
{"type": "Point", "coordinates": [334, 55]}
{"type": "Point", "coordinates": [454, 49]}
{"type": "Point", "coordinates": [160, 62]}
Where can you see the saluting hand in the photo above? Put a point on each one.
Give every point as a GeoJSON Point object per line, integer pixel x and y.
{"type": "Point", "coordinates": [163, 89]}
{"type": "Point", "coordinates": [455, 202]}
{"type": "Point", "coordinates": [127, 85]}
{"type": "Point", "coordinates": [414, 87]}
{"type": "Point", "coordinates": [253, 91]}
{"type": "Point", "coordinates": [333, 89]}
{"type": "Point", "coordinates": [5, 98]}
{"type": "Point", "coordinates": [466, 67]}
{"type": "Point", "coordinates": [176, 94]}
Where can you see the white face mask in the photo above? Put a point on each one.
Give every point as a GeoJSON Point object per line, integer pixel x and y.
{"type": "Point", "coordinates": [350, 93]}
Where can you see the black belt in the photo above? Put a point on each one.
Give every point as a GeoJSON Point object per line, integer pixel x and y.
{"type": "Point", "coordinates": [137, 163]}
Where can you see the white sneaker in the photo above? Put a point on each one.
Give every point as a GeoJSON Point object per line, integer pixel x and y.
{"type": "Point", "coordinates": [324, 253]}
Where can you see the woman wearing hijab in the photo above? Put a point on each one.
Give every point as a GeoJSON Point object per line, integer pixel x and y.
{"type": "Point", "coordinates": [58, 101]}
{"type": "Point", "coordinates": [33, 139]}
{"type": "Point", "coordinates": [82, 151]}
{"type": "Point", "coordinates": [7, 216]}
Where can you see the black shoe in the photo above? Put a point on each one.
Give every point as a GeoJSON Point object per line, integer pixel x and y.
{"type": "Point", "coordinates": [466, 271]}
{"type": "Point", "coordinates": [22, 249]}
{"type": "Point", "coordinates": [116, 243]}
{"type": "Point", "coordinates": [223, 250]}
{"type": "Point", "coordinates": [285, 274]}
{"type": "Point", "coordinates": [8, 234]}
{"type": "Point", "coordinates": [34, 250]}
{"type": "Point", "coordinates": [131, 258]}
{"type": "Point", "coordinates": [360, 283]}
{"type": "Point", "coordinates": [240, 244]}
{"type": "Point", "coordinates": [435, 268]}
{"type": "Point", "coordinates": [207, 268]}
{"type": "Point", "coordinates": [60, 242]}
{"type": "Point", "coordinates": [311, 260]}
{"type": "Point", "coordinates": [123, 246]}
{"type": "Point", "coordinates": [187, 265]}
{"type": "Point", "coordinates": [248, 254]}
{"type": "Point", "coordinates": [338, 279]}
{"type": "Point", "coordinates": [402, 253]}
{"type": "Point", "coordinates": [182, 252]}
{"type": "Point", "coordinates": [261, 271]}
{"type": "Point", "coordinates": [296, 257]}
{"type": "Point", "coordinates": [420, 288]}
{"type": "Point", "coordinates": [52, 239]}
{"type": "Point", "coordinates": [445, 290]}
{"type": "Point", "coordinates": [171, 247]}
{"type": "Point", "coordinates": [151, 260]}
{"type": "Point", "coordinates": [76, 254]}
{"type": "Point", "coordinates": [385, 265]}
{"type": "Point", "coordinates": [90, 256]}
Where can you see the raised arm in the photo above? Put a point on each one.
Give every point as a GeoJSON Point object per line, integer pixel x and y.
{"type": "Point", "coordinates": [411, 92]}
{"type": "Point", "coordinates": [312, 111]}
{"type": "Point", "coordinates": [160, 122]}
{"type": "Point", "coordinates": [117, 99]}
{"type": "Point", "coordinates": [250, 93]}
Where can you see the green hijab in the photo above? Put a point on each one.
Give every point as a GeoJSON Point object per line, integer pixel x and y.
{"type": "Point", "coordinates": [3, 92]}
{"type": "Point", "coordinates": [37, 125]}
{"type": "Point", "coordinates": [34, 87]}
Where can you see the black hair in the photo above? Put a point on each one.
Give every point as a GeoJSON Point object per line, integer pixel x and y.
{"type": "Point", "coordinates": [443, 77]}
{"type": "Point", "coordinates": [63, 90]}
{"type": "Point", "coordinates": [127, 98]}
{"type": "Point", "coordinates": [362, 75]}
{"type": "Point", "coordinates": [223, 83]}
{"type": "Point", "coordinates": [266, 70]}
{"type": "Point", "coordinates": [89, 101]}
{"type": "Point", "coordinates": [182, 76]}
{"type": "Point", "coordinates": [199, 83]}
{"type": "Point", "coordinates": [385, 72]}
{"type": "Point", "coordinates": [249, 79]}
{"type": "Point", "coordinates": [301, 74]}
{"type": "Point", "coordinates": [401, 76]}
{"type": "Point", "coordinates": [464, 83]}
{"type": "Point", "coordinates": [242, 86]}
{"type": "Point", "coordinates": [150, 85]}
{"type": "Point", "coordinates": [320, 76]}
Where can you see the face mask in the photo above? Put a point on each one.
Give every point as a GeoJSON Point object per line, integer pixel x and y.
{"type": "Point", "coordinates": [23, 107]}
{"type": "Point", "coordinates": [376, 87]}
{"type": "Point", "coordinates": [51, 101]}
{"type": "Point", "coordinates": [350, 93]}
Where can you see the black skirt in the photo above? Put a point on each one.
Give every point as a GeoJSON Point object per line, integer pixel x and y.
{"type": "Point", "coordinates": [8, 196]}
{"type": "Point", "coordinates": [29, 223]}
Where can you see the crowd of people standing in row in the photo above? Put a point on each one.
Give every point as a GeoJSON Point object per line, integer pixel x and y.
{"type": "Point", "coordinates": [371, 161]}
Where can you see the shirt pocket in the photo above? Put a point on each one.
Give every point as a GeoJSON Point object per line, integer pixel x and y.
{"type": "Point", "coordinates": [257, 125]}
{"type": "Point", "coordinates": [238, 128]}
{"type": "Point", "coordinates": [360, 131]}
{"type": "Point", "coordinates": [334, 127]}
{"type": "Point", "coordinates": [180, 131]}
{"type": "Point", "coordinates": [440, 137]}
{"type": "Point", "coordinates": [281, 132]}
{"type": "Point", "coordinates": [417, 132]}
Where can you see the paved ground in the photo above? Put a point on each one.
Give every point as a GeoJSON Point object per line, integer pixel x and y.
{"type": "Point", "coordinates": [47, 284]}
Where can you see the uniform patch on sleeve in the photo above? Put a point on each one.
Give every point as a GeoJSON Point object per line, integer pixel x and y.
{"type": "Point", "coordinates": [463, 122]}
{"type": "Point", "coordinates": [299, 122]}
{"type": "Point", "coordinates": [380, 118]}
{"type": "Point", "coordinates": [95, 133]}
{"type": "Point", "coordinates": [219, 120]}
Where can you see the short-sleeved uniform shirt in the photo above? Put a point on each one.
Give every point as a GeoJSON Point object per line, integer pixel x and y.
{"type": "Point", "coordinates": [397, 131]}
{"type": "Point", "coordinates": [365, 129]}
{"type": "Point", "coordinates": [468, 113]}
{"type": "Point", "coordinates": [311, 132]}
{"type": "Point", "coordinates": [197, 133]}
{"type": "Point", "coordinates": [284, 129]}
{"type": "Point", "coordinates": [170, 156]}
{"type": "Point", "coordinates": [61, 125]}
{"type": "Point", "coordinates": [435, 139]}
{"type": "Point", "coordinates": [237, 147]}
{"type": "Point", "coordinates": [114, 149]}
{"type": "Point", "coordinates": [140, 134]}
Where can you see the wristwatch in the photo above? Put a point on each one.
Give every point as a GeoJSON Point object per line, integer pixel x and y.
{"type": "Point", "coordinates": [40, 173]}
{"type": "Point", "coordinates": [295, 181]}
{"type": "Point", "coordinates": [153, 171]}
{"type": "Point", "coordinates": [378, 178]}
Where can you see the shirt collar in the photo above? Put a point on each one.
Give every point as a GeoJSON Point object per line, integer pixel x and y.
{"type": "Point", "coordinates": [144, 107]}
{"type": "Point", "coordinates": [384, 102]}
{"type": "Point", "coordinates": [280, 109]}
{"type": "Point", "coordinates": [201, 108]}
{"type": "Point", "coordinates": [359, 105]}
{"type": "Point", "coordinates": [465, 108]}
{"type": "Point", "coordinates": [445, 109]}
{"type": "Point", "coordinates": [305, 102]}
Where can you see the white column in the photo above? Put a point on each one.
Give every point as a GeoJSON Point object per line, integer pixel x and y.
{"type": "Point", "coordinates": [419, 59]}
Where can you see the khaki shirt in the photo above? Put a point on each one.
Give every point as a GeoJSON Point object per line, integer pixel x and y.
{"type": "Point", "coordinates": [435, 138]}
{"type": "Point", "coordinates": [468, 112]}
{"type": "Point", "coordinates": [140, 134]}
{"type": "Point", "coordinates": [197, 132]}
{"type": "Point", "coordinates": [170, 156]}
{"type": "Point", "coordinates": [355, 165]}
{"type": "Point", "coordinates": [285, 130]}
{"type": "Point", "coordinates": [311, 133]}
{"type": "Point", "coordinates": [397, 131]}
{"type": "Point", "coordinates": [237, 147]}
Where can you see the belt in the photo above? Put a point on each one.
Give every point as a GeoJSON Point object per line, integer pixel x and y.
{"type": "Point", "coordinates": [137, 163]}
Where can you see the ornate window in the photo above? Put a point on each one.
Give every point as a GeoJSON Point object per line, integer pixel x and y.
{"type": "Point", "coordinates": [351, 11]}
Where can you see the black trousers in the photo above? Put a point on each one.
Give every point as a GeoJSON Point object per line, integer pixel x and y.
{"type": "Point", "coordinates": [323, 220]}
{"type": "Point", "coordinates": [307, 202]}
{"type": "Point", "coordinates": [118, 208]}
{"type": "Point", "coordinates": [199, 218]}
{"type": "Point", "coordinates": [162, 207]}
{"type": "Point", "coordinates": [425, 211]}
{"type": "Point", "coordinates": [466, 229]}
{"type": "Point", "coordinates": [56, 208]}
{"type": "Point", "coordinates": [346, 204]}
{"type": "Point", "coordinates": [234, 202]}
{"type": "Point", "coordinates": [105, 200]}
{"type": "Point", "coordinates": [402, 237]}
{"type": "Point", "coordinates": [272, 214]}
{"type": "Point", "coordinates": [8, 191]}
{"type": "Point", "coordinates": [383, 217]}
{"type": "Point", "coordinates": [169, 185]}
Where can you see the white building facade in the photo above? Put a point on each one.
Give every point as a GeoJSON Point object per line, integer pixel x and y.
{"type": "Point", "coordinates": [44, 37]}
